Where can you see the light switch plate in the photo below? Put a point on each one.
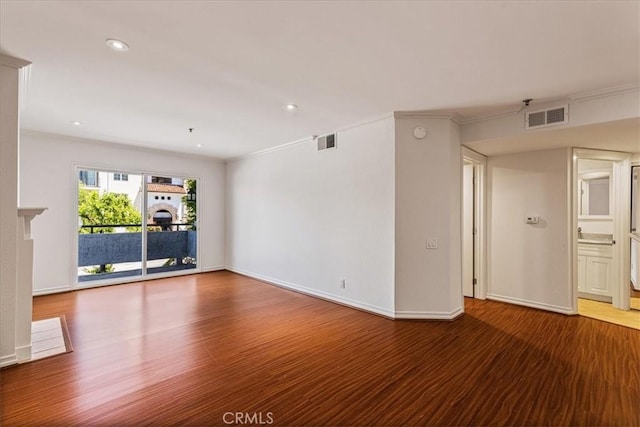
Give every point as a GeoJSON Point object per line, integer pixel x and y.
{"type": "Point", "coordinates": [533, 220]}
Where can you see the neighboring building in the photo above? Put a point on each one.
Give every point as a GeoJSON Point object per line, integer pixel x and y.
{"type": "Point", "coordinates": [164, 194]}
{"type": "Point", "coordinates": [112, 182]}
{"type": "Point", "coordinates": [164, 200]}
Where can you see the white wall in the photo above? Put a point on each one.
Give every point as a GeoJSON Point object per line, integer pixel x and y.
{"type": "Point", "coordinates": [428, 206]}
{"type": "Point", "coordinates": [48, 178]}
{"type": "Point", "coordinates": [306, 219]}
{"type": "Point", "coordinates": [529, 264]}
{"type": "Point", "coordinates": [9, 122]}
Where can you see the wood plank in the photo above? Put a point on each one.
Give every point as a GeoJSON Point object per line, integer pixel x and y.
{"type": "Point", "coordinates": [188, 350]}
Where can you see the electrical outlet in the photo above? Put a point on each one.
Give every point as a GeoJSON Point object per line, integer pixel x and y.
{"type": "Point", "coordinates": [432, 243]}
{"type": "Point", "coordinates": [343, 284]}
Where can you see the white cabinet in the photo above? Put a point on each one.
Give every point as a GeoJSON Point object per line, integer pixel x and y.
{"type": "Point", "coordinates": [595, 269]}
{"type": "Point", "coordinates": [599, 276]}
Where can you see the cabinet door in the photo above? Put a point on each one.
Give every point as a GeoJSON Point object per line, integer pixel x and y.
{"type": "Point", "coordinates": [599, 275]}
{"type": "Point", "coordinates": [582, 273]}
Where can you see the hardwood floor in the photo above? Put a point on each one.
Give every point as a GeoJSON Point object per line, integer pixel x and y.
{"type": "Point", "coordinates": [607, 313]}
{"type": "Point", "coordinates": [187, 351]}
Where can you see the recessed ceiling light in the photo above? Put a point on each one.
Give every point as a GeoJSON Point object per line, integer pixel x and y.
{"type": "Point", "coordinates": [291, 107]}
{"type": "Point", "coordinates": [76, 123]}
{"type": "Point", "coordinates": [118, 45]}
{"type": "Point", "coordinates": [199, 145]}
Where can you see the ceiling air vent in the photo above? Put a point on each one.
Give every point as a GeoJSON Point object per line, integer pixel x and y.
{"type": "Point", "coordinates": [326, 141]}
{"type": "Point", "coordinates": [550, 117]}
{"type": "Point", "coordinates": [536, 119]}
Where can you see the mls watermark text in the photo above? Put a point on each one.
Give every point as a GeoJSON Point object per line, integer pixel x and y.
{"type": "Point", "coordinates": [241, 418]}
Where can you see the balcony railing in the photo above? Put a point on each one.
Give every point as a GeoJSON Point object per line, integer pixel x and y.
{"type": "Point", "coordinates": [176, 242]}
{"type": "Point", "coordinates": [99, 228]}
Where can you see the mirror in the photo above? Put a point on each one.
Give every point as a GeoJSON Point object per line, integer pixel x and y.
{"type": "Point", "coordinates": [594, 188]}
{"type": "Point", "coordinates": [594, 196]}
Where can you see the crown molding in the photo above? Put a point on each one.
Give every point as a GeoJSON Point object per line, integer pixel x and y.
{"type": "Point", "coordinates": [362, 123]}
{"type": "Point", "coordinates": [575, 98]}
{"type": "Point", "coordinates": [310, 138]}
{"type": "Point", "coordinates": [270, 149]}
{"type": "Point", "coordinates": [604, 93]}
{"type": "Point", "coordinates": [548, 103]}
{"type": "Point", "coordinates": [13, 62]}
{"type": "Point", "coordinates": [426, 114]}
{"type": "Point", "coordinates": [477, 119]}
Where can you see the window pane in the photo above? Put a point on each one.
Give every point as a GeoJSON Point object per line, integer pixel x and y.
{"type": "Point", "coordinates": [109, 227]}
{"type": "Point", "coordinates": [171, 236]}
{"type": "Point", "coordinates": [89, 178]}
{"type": "Point", "coordinates": [162, 179]}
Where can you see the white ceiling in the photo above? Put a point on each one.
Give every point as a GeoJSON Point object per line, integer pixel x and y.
{"type": "Point", "coordinates": [227, 69]}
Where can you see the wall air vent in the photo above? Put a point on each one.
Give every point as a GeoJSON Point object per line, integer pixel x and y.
{"type": "Point", "coordinates": [549, 117]}
{"type": "Point", "coordinates": [326, 141]}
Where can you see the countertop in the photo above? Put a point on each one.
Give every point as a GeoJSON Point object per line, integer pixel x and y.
{"type": "Point", "coordinates": [595, 239]}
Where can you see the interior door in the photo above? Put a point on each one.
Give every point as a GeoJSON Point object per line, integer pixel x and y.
{"type": "Point", "coordinates": [467, 230]}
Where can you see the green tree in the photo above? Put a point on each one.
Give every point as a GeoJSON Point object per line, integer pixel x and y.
{"type": "Point", "coordinates": [106, 209]}
{"type": "Point", "coordinates": [190, 201]}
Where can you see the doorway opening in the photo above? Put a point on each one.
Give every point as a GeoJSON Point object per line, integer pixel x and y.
{"type": "Point", "coordinates": [163, 218]}
{"type": "Point", "coordinates": [473, 225]}
{"type": "Point", "coordinates": [601, 243]}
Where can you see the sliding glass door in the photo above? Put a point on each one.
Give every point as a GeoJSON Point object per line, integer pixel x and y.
{"type": "Point", "coordinates": [134, 225]}
{"type": "Point", "coordinates": [109, 225]}
{"type": "Point", "coordinates": [171, 218]}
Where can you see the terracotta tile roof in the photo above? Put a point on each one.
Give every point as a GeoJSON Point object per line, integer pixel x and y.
{"type": "Point", "coordinates": [165, 188]}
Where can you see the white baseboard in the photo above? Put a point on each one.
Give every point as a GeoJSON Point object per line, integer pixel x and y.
{"type": "Point", "coordinates": [210, 269]}
{"type": "Point", "coordinates": [47, 291]}
{"type": "Point", "coordinates": [23, 353]}
{"type": "Point", "coordinates": [430, 315]}
{"type": "Point", "coordinates": [531, 304]}
{"type": "Point", "coordinates": [315, 293]}
{"type": "Point", "coordinates": [8, 360]}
